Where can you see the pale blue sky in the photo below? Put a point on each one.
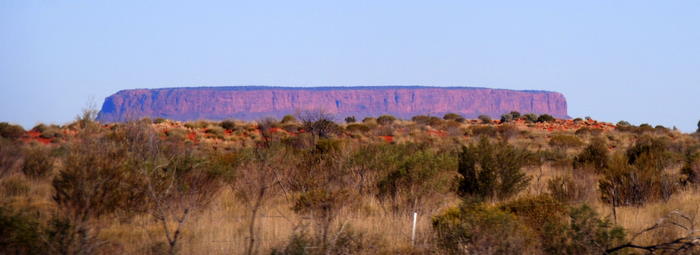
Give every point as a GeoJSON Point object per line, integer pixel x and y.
{"type": "Point", "coordinates": [613, 60]}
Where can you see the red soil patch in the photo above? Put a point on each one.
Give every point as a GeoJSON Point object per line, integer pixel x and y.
{"type": "Point", "coordinates": [192, 136]}
{"type": "Point", "coordinates": [387, 138]}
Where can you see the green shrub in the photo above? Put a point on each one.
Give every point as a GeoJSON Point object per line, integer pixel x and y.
{"type": "Point", "coordinates": [565, 141]}
{"type": "Point", "coordinates": [565, 189]}
{"type": "Point", "coordinates": [515, 114]}
{"type": "Point", "coordinates": [492, 170]}
{"type": "Point", "coordinates": [20, 233]}
{"type": "Point", "coordinates": [483, 131]}
{"type": "Point", "coordinates": [506, 118]}
{"type": "Point", "coordinates": [698, 127]}
{"type": "Point", "coordinates": [417, 176]}
{"type": "Point", "coordinates": [39, 128]}
{"type": "Point", "coordinates": [289, 119]}
{"type": "Point", "coordinates": [368, 120]}
{"type": "Point", "coordinates": [159, 120]}
{"type": "Point", "coordinates": [350, 119]}
{"type": "Point", "coordinates": [386, 120]}
{"type": "Point", "coordinates": [536, 212]}
{"type": "Point", "coordinates": [15, 186]}
{"type": "Point", "coordinates": [217, 132]}
{"type": "Point", "coordinates": [452, 116]}
{"type": "Point", "coordinates": [38, 162]}
{"type": "Point", "coordinates": [485, 119]}
{"type": "Point", "coordinates": [475, 228]}
{"type": "Point", "coordinates": [545, 118]}
{"type": "Point", "coordinates": [583, 232]}
{"type": "Point", "coordinates": [421, 119]}
{"type": "Point", "coordinates": [11, 131]}
{"type": "Point", "coordinates": [594, 155]}
{"type": "Point", "coordinates": [631, 184]}
{"type": "Point", "coordinates": [531, 117]}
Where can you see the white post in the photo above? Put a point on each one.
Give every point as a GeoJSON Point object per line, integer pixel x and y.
{"type": "Point", "coordinates": [413, 231]}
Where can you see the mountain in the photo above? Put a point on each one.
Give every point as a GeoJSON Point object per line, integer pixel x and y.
{"type": "Point", "coordinates": [256, 102]}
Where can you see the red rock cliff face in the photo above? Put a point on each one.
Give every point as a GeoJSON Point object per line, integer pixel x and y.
{"type": "Point", "coordinates": [250, 103]}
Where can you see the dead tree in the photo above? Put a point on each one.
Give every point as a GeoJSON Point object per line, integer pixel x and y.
{"type": "Point", "coordinates": [683, 244]}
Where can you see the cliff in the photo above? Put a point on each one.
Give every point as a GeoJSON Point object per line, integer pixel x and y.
{"type": "Point", "coordinates": [250, 103]}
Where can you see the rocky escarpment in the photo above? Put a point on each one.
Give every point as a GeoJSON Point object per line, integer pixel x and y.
{"type": "Point", "coordinates": [250, 103]}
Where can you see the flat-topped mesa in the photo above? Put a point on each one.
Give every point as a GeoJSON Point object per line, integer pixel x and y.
{"type": "Point", "coordinates": [252, 103]}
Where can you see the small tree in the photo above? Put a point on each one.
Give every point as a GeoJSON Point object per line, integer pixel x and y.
{"type": "Point", "coordinates": [451, 116]}
{"type": "Point", "coordinates": [386, 120]}
{"type": "Point", "coordinates": [545, 118]}
{"type": "Point", "coordinates": [506, 118]}
{"type": "Point", "coordinates": [485, 119]}
{"type": "Point", "coordinates": [594, 155]}
{"type": "Point", "coordinates": [515, 114]}
{"type": "Point", "coordinates": [492, 170]}
{"type": "Point", "coordinates": [350, 119]}
{"type": "Point", "coordinates": [531, 117]}
{"type": "Point", "coordinates": [318, 123]}
{"type": "Point", "coordinates": [698, 127]}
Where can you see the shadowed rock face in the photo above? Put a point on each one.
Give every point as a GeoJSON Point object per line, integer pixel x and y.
{"type": "Point", "coordinates": [251, 103]}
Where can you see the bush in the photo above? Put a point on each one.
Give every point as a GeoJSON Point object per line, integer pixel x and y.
{"type": "Point", "coordinates": [159, 120]}
{"type": "Point", "coordinates": [536, 212]}
{"type": "Point", "coordinates": [594, 155]}
{"type": "Point", "coordinates": [288, 119]}
{"type": "Point", "coordinates": [217, 132]}
{"type": "Point", "coordinates": [386, 120]}
{"type": "Point", "coordinates": [626, 184]}
{"type": "Point", "coordinates": [492, 170]}
{"type": "Point", "coordinates": [10, 155]}
{"type": "Point", "coordinates": [228, 125]}
{"type": "Point", "coordinates": [531, 117]}
{"type": "Point", "coordinates": [545, 118]}
{"type": "Point", "coordinates": [565, 141]}
{"type": "Point", "coordinates": [421, 119]}
{"type": "Point", "coordinates": [417, 176]}
{"type": "Point", "coordinates": [38, 163]}
{"type": "Point", "coordinates": [485, 119]}
{"type": "Point", "coordinates": [698, 127]}
{"type": "Point", "coordinates": [483, 131]}
{"type": "Point", "coordinates": [515, 114]}
{"type": "Point", "coordinates": [20, 233]}
{"type": "Point", "coordinates": [567, 190]}
{"type": "Point", "coordinates": [11, 131]}
{"type": "Point", "coordinates": [452, 116]}
{"type": "Point", "coordinates": [506, 118]}
{"type": "Point", "coordinates": [479, 229]}
{"type": "Point", "coordinates": [350, 119]}
{"type": "Point", "coordinates": [583, 232]}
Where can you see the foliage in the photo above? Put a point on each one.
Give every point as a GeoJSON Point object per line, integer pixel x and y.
{"type": "Point", "coordinates": [515, 114]}
{"type": "Point", "coordinates": [583, 233]}
{"type": "Point", "coordinates": [228, 125]}
{"type": "Point", "coordinates": [288, 119]}
{"type": "Point", "coordinates": [565, 141]}
{"type": "Point", "coordinates": [531, 117]}
{"type": "Point", "coordinates": [10, 131]}
{"type": "Point", "coordinates": [20, 233]}
{"type": "Point", "coordinates": [492, 170]}
{"type": "Point", "coordinates": [506, 118]}
{"type": "Point", "coordinates": [475, 228]}
{"type": "Point", "coordinates": [595, 155]}
{"type": "Point", "coordinates": [545, 118]}
{"type": "Point", "coordinates": [357, 127]}
{"type": "Point", "coordinates": [485, 119]}
{"type": "Point", "coordinates": [350, 119]}
{"type": "Point", "coordinates": [418, 174]}
{"type": "Point", "coordinates": [452, 116]}
{"type": "Point", "coordinates": [38, 162]}
{"type": "Point", "coordinates": [386, 120]}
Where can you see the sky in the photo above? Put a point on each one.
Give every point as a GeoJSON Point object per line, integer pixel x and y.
{"type": "Point", "coordinates": [633, 60]}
